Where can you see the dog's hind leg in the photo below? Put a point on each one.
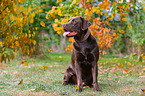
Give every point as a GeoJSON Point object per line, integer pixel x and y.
{"type": "Point", "coordinates": [69, 77]}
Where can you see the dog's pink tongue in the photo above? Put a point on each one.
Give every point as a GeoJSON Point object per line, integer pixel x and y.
{"type": "Point", "coordinates": [65, 33]}
{"type": "Point", "coordinates": [70, 34]}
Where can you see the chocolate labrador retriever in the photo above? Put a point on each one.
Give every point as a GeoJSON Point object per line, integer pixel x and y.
{"type": "Point", "coordinates": [83, 69]}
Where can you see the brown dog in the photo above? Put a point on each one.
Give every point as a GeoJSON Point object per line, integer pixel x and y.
{"type": "Point", "coordinates": [83, 69]}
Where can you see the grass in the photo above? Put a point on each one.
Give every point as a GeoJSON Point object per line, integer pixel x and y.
{"type": "Point", "coordinates": [37, 81]}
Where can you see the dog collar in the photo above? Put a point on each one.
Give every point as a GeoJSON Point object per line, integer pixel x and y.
{"type": "Point", "coordinates": [85, 37]}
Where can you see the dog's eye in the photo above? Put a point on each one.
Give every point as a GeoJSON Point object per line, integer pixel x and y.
{"type": "Point", "coordinates": [68, 20]}
{"type": "Point", "coordinates": [73, 21]}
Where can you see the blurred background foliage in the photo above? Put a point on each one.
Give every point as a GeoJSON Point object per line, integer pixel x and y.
{"type": "Point", "coordinates": [34, 27]}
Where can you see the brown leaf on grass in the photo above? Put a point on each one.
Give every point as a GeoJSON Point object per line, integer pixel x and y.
{"type": "Point", "coordinates": [143, 90]}
{"type": "Point", "coordinates": [128, 63]}
{"type": "Point", "coordinates": [141, 82]}
{"type": "Point", "coordinates": [15, 72]}
{"type": "Point", "coordinates": [24, 62]}
{"type": "Point", "coordinates": [116, 67]}
{"type": "Point", "coordinates": [112, 70]}
{"type": "Point", "coordinates": [141, 76]}
{"type": "Point", "coordinates": [101, 67]}
{"type": "Point", "coordinates": [44, 67]}
{"type": "Point", "coordinates": [32, 89]}
{"type": "Point", "coordinates": [119, 81]}
{"type": "Point", "coordinates": [121, 65]}
{"type": "Point", "coordinates": [126, 71]}
{"type": "Point", "coordinates": [50, 66]}
{"type": "Point", "coordinates": [63, 72]}
{"type": "Point", "coordinates": [6, 72]}
{"type": "Point", "coordinates": [86, 87]}
{"type": "Point", "coordinates": [60, 57]}
{"type": "Point", "coordinates": [21, 82]}
{"type": "Point", "coordinates": [12, 90]}
{"type": "Point", "coordinates": [109, 76]}
{"type": "Point", "coordinates": [77, 87]}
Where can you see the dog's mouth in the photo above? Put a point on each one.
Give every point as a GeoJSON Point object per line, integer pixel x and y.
{"type": "Point", "coordinates": [68, 33]}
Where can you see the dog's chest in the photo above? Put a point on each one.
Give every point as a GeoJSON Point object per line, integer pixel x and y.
{"type": "Point", "coordinates": [85, 56]}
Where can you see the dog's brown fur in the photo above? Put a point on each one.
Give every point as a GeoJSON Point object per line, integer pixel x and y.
{"type": "Point", "coordinates": [83, 69]}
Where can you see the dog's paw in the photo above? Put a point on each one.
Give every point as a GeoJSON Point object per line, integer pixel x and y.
{"type": "Point", "coordinates": [64, 83]}
{"type": "Point", "coordinates": [79, 90]}
{"type": "Point", "coordinates": [97, 89]}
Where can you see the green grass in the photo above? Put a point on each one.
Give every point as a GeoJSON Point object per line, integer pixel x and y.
{"type": "Point", "coordinates": [48, 82]}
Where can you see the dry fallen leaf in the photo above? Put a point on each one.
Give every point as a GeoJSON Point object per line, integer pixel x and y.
{"type": "Point", "coordinates": [141, 82]}
{"type": "Point", "coordinates": [116, 67]}
{"type": "Point", "coordinates": [6, 72]}
{"type": "Point", "coordinates": [63, 72]}
{"type": "Point", "coordinates": [86, 87]}
{"type": "Point", "coordinates": [60, 57]}
{"type": "Point", "coordinates": [44, 67]}
{"type": "Point", "coordinates": [143, 90]}
{"type": "Point", "coordinates": [143, 57]}
{"type": "Point", "coordinates": [101, 67]}
{"type": "Point", "coordinates": [32, 89]}
{"type": "Point", "coordinates": [109, 76]}
{"type": "Point", "coordinates": [128, 63]}
{"type": "Point", "coordinates": [15, 72]}
{"type": "Point", "coordinates": [24, 62]}
{"type": "Point", "coordinates": [121, 65]}
{"type": "Point", "coordinates": [77, 87]}
{"type": "Point", "coordinates": [21, 82]}
{"type": "Point", "coordinates": [127, 71]}
{"type": "Point", "coordinates": [50, 66]}
{"type": "Point", "coordinates": [119, 81]}
{"type": "Point", "coordinates": [141, 76]}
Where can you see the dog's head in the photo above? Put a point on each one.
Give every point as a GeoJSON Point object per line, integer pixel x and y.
{"type": "Point", "coordinates": [75, 26]}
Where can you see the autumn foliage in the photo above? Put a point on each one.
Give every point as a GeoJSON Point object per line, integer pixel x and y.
{"type": "Point", "coordinates": [100, 15]}
{"type": "Point", "coordinates": [15, 28]}
{"type": "Point", "coordinates": [18, 30]}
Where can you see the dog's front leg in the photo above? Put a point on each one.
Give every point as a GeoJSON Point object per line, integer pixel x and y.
{"type": "Point", "coordinates": [79, 77]}
{"type": "Point", "coordinates": [95, 74]}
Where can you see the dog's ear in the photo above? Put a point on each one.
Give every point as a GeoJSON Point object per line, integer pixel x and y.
{"type": "Point", "coordinates": [85, 23]}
